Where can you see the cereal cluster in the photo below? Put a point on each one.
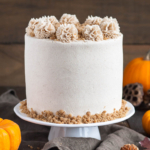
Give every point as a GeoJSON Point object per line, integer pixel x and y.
{"type": "Point", "coordinates": [62, 118]}
{"type": "Point", "coordinates": [69, 28]}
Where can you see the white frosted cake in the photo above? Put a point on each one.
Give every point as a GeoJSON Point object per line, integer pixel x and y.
{"type": "Point", "coordinates": [73, 67]}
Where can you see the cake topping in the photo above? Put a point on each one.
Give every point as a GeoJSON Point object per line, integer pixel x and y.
{"type": "Point", "coordinates": [61, 117]}
{"type": "Point", "coordinates": [93, 33]}
{"type": "Point", "coordinates": [44, 28]}
{"type": "Point", "coordinates": [80, 28]}
{"type": "Point", "coordinates": [67, 33]}
{"type": "Point", "coordinates": [93, 20]}
{"type": "Point", "coordinates": [69, 19]}
{"type": "Point", "coordinates": [110, 28]}
{"type": "Point", "coordinates": [31, 27]}
{"type": "Point", "coordinates": [69, 29]}
{"type": "Point", "coordinates": [53, 20]}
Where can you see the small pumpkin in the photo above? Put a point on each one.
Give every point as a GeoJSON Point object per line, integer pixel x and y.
{"type": "Point", "coordinates": [10, 135]}
{"type": "Point", "coordinates": [138, 70]}
{"type": "Point", "coordinates": [146, 122]}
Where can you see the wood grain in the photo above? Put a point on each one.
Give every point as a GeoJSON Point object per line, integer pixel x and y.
{"type": "Point", "coordinates": [134, 51]}
{"type": "Point", "coordinates": [132, 15]}
{"type": "Point", "coordinates": [12, 65]}
{"type": "Point", "coordinates": [12, 62]}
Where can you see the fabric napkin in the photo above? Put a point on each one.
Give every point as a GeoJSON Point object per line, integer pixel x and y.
{"type": "Point", "coordinates": [35, 136]}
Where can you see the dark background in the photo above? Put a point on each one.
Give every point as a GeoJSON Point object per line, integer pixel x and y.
{"type": "Point", "coordinates": [132, 15]}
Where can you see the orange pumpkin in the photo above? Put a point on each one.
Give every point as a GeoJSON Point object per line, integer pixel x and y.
{"type": "Point", "coordinates": [10, 135]}
{"type": "Point", "coordinates": [146, 122]}
{"type": "Point", "coordinates": [138, 70]}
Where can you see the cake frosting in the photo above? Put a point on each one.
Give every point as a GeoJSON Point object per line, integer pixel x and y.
{"type": "Point", "coordinates": [44, 29]}
{"type": "Point", "coordinates": [69, 19]}
{"type": "Point", "coordinates": [65, 73]}
{"type": "Point", "coordinates": [69, 28]}
{"type": "Point", "coordinates": [67, 33]}
{"type": "Point", "coordinates": [92, 33]}
{"type": "Point", "coordinates": [76, 77]}
{"type": "Point", "coordinates": [93, 20]}
{"type": "Point", "coordinates": [110, 28]}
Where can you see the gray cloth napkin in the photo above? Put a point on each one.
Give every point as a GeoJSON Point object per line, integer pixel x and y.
{"type": "Point", "coordinates": [113, 136]}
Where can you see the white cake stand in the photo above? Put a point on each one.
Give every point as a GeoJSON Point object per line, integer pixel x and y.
{"type": "Point", "coordinates": [73, 130]}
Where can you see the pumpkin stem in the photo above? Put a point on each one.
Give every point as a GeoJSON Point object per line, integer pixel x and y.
{"type": "Point", "coordinates": [147, 57]}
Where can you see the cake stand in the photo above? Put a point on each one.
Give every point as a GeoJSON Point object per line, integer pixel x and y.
{"type": "Point", "coordinates": [73, 130]}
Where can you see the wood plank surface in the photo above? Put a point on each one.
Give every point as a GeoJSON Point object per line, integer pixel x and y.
{"type": "Point", "coordinates": [134, 51]}
{"type": "Point", "coordinates": [132, 15]}
{"type": "Point", "coordinates": [12, 61]}
{"type": "Point", "coordinates": [12, 65]}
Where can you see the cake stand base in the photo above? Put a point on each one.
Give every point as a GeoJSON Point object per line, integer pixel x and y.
{"type": "Point", "coordinates": [84, 132]}
{"type": "Point", "coordinates": [73, 130]}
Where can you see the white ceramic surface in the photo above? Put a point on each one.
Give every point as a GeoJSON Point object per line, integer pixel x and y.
{"type": "Point", "coordinates": [84, 132]}
{"type": "Point", "coordinates": [75, 77]}
{"type": "Point", "coordinates": [73, 130]}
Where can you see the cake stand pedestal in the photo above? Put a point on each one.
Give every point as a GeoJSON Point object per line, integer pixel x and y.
{"type": "Point", "coordinates": [84, 132]}
{"type": "Point", "coordinates": [74, 130]}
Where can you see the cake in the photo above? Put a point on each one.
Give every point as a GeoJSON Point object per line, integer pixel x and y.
{"type": "Point", "coordinates": [73, 69]}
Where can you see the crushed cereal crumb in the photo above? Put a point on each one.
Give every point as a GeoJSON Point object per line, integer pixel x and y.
{"type": "Point", "coordinates": [62, 118]}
